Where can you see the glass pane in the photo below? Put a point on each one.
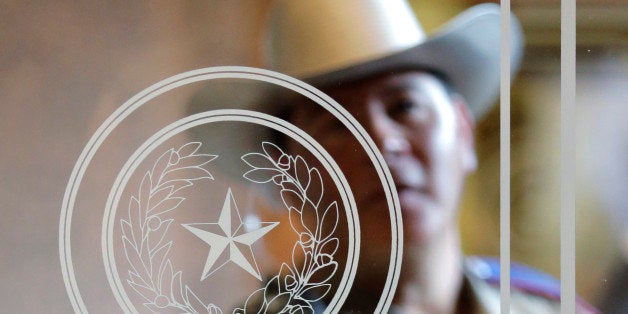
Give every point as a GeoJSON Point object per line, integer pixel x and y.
{"type": "Point", "coordinates": [69, 66]}
{"type": "Point", "coordinates": [535, 145]}
{"type": "Point", "coordinates": [602, 75]}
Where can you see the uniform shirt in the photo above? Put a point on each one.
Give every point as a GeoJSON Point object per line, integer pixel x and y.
{"type": "Point", "coordinates": [531, 291]}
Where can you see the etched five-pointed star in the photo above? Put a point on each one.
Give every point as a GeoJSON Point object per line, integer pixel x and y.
{"type": "Point", "coordinates": [229, 232]}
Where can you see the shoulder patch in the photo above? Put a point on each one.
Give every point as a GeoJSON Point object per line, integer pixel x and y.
{"type": "Point", "coordinates": [522, 278]}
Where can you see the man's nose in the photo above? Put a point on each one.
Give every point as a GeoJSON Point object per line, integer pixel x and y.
{"type": "Point", "coordinates": [388, 136]}
{"type": "Point", "coordinates": [395, 146]}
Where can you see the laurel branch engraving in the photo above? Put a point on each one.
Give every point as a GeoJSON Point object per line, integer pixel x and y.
{"type": "Point", "coordinates": [297, 286]}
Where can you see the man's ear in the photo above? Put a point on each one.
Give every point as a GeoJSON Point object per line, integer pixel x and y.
{"type": "Point", "coordinates": [466, 133]}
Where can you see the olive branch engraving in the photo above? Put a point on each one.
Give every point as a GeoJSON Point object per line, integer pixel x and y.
{"type": "Point", "coordinates": [297, 286]}
{"type": "Point", "coordinates": [152, 274]}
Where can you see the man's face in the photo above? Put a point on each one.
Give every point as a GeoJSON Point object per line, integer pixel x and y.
{"type": "Point", "coordinates": [425, 136]}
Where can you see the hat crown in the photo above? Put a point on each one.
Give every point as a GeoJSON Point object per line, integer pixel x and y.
{"type": "Point", "coordinates": [307, 38]}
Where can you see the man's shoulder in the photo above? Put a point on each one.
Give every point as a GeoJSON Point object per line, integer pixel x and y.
{"type": "Point", "coordinates": [529, 287]}
{"type": "Point", "coordinates": [522, 277]}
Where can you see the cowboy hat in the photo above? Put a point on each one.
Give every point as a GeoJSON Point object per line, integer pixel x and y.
{"type": "Point", "coordinates": [328, 42]}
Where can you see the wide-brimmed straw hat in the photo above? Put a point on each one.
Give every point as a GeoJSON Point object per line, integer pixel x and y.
{"type": "Point", "coordinates": [329, 42]}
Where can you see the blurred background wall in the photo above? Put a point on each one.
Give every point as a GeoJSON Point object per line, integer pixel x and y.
{"type": "Point", "coordinates": [67, 65]}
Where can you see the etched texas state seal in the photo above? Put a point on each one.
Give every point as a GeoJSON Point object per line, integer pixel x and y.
{"type": "Point", "coordinates": [220, 206]}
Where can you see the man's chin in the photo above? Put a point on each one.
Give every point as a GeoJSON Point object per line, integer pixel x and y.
{"type": "Point", "coordinates": [422, 220]}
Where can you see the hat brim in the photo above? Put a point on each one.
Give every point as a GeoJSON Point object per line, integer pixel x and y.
{"type": "Point", "coordinates": [466, 51]}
